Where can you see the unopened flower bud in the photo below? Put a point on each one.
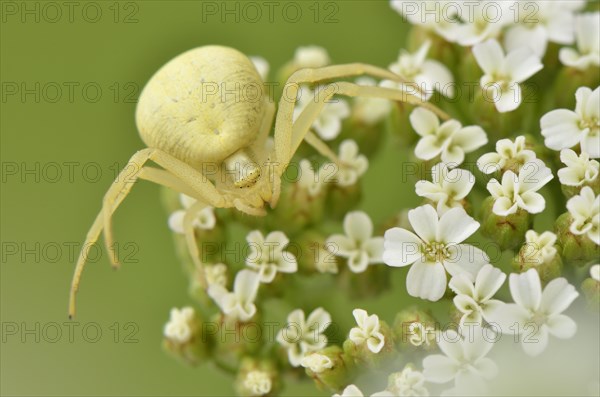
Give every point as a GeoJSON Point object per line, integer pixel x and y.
{"type": "Point", "coordinates": [507, 231]}
{"type": "Point", "coordinates": [330, 368]}
{"type": "Point", "coordinates": [591, 287]}
{"type": "Point", "coordinates": [183, 336]}
{"type": "Point", "coordinates": [368, 347]}
{"type": "Point", "coordinates": [576, 250]}
{"type": "Point", "coordinates": [566, 84]}
{"type": "Point", "coordinates": [414, 328]}
{"type": "Point", "coordinates": [539, 252]}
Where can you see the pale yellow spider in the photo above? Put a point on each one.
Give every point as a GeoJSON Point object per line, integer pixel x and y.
{"type": "Point", "coordinates": [206, 110]}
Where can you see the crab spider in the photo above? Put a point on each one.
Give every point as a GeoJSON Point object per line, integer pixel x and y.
{"type": "Point", "coordinates": [213, 145]}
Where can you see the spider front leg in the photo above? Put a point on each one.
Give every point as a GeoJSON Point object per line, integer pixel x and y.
{"type": "Point", "coordinates": [190, 238]}
{"type": "Point", "coordinates": [176, 175]}
{"type": "Point", "coordinates": [198, 183]}
{"type": "Point", "coordinates": [300, 129]}
{"type": "Point", "coordinates": [289, 135]}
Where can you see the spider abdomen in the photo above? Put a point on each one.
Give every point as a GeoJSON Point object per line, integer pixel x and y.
{"type": "Point", "coordinates": [202, 106]}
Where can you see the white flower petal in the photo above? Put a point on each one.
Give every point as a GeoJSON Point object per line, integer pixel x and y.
{"type": "Point", "coordinates": [424, 221]}
{"type": "Point", "coordinates": [318, 320]}
{"type": "Point", "coordinates": [401, 247]}
{"type": "Point", "coordinates": [561, 326]}
{"type": "Point", "coordinates": [557, 296]}
{"type": "Point", "coordinates": [424, 121]}
{"type": "Point", "coordinates": [510, 98]}
{"type": "Point", "coordinates": [341, 245]}
{"type": "Point", "coordinates": [455, 226]}
{"type": "Point", "coordinates": [426, 280]}
{"type": "Point", "coordinates": [374, 249]}
{"type": "Point", "coordinates": [439, 369]}
{"type": "Point", "coordinates": [462, 284]}
{"type": "Point", "coordinates": [526, 289]}
{"type": "Point", "coordinates": [358, 262]}
{"type": "Point", "coordinates": [535, 340]}
{"type": "Point", "coordinates": [358, 226]}
{"type": "Point", "coordinates": [488, 282]}
{"type": "Point", "coordinates": [428, 148]}
{"type": "Point", "coordinates": [522, 64]}
{"type": "Point", "coordinates": [465, 258]}
{"type": "Point", "coordinates": [489, 55]}
{"type": "Point", "coordinates": [246, 285]}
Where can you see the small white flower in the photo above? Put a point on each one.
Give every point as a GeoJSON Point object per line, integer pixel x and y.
{"type": "Point", "coordinates": [367, 331]}
{"type": "Point", "coordinates": [309, 179]}
{"type": "Point", "coordinates": [474, 299]}
{"type": "Point", "coordinates": [539, 247]}
{"type": "Point", "coordinates": [267, 257]}
{"type": "Point", "coordinates": [564, 128]}
{"type": "Point", "coordinates": [587, 30]}
{"type": "Point", "coordinates": [579, 170]}
{"type": "Point", "coordinates": [370, 111]}
{"type": "Point", "coordinates": [311, 57]}
{"type": "Point", "coordinates": [507, 155]}
{"type": "Point", "coordinates": [302, 336]}
{"type": "Point", "coordinates": [328, 124]}
{"type": "Point", "coordinates": [520, 191]}
{"type": "Point", "coordinates": [239, 304]}
{"type": "Point", "coordinates": [427, 74]}
{"type": "Point", "coordinates": [420, 334]}
{"type": "Point", "coordinates": [554, 21]}
{"type": "Point", "coordinates": [463, 361]}
{"type": "Point", "coordinates": [537, 313]}
{"type": "Point", "coordinates": [503, 73]}
{"type": "Point", "coordinates": [358, 244]}
{"type": "Point", "coordinates": [585, 211]}
{"type": "Point", "coordinates": [448, 187]}
{"type": "Point", "coordinates": [261, 65]}
{"type": "Point", "coordinates": [408, 383]}
{"type": "Point", "coordinates": [180, 328]}
{"type": "Point", "coordinates": [258, 383]}
{"type": "Point", "coordinates": [434, 249]}
{"type": "Point", "coordinates": [595, 272]}
{"type": "Point", "coordinates": [450, 140]}
{"type": "Point", "coordinates": [216, 274]}
{"type": "Point", "coordinates": [353, 166]}
{"type": "Point", "coordinates": [205, 219]}
{"type": "Point", "coordinates": [350, 391]}
{"type": "Point", "coordinates": [316, 362]}
{"type": "Point", "coordinates": [437, 20]}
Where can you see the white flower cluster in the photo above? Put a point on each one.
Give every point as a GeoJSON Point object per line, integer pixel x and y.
{"type": "Point", "coordinates": [435, 247]}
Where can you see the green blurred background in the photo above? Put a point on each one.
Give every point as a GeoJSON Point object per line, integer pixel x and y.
{"type": "Point", "coordinates": [87, 133]}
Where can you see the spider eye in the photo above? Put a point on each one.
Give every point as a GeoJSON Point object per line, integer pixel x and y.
{"type": "Point", "coordinates": [248, 177]}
